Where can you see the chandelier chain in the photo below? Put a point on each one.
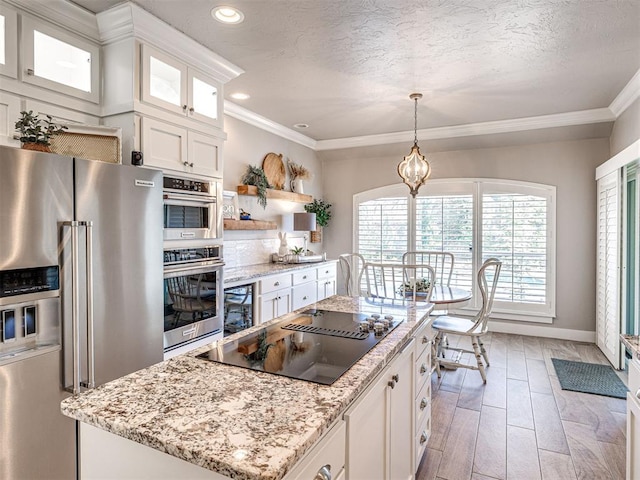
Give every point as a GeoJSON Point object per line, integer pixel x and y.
{"type": "Point", "coordinates": [415, 121]}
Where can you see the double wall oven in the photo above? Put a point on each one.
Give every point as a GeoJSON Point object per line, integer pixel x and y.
{"type": "Point", "coordinates": [193, 262]}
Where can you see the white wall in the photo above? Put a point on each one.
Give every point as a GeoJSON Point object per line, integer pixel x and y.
{"type": "Point", "coordinates": [248, 145]}
{"type": "Point", "coordinates": [569, 166]}
{"type": "Point", "coordinates": [626, 128]}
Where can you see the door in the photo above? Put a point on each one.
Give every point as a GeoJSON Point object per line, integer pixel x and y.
{"type": "Point", "coordinates": [164, 80]}
{"type": "Point", "coordinates": [164, 145]}
{"type": "Point", "coordinates": [204, 155]}
{"type": "Point", "coordinates": [125, 205]}
{"type": "Point", "coordinates": [204, 98]}
{"type": "Point", "coordinates": [608, 268]}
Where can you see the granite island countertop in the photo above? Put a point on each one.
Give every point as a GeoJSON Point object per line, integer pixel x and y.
{"type": "Point", "coordinates": [249, 272]}
{"type": "Point", "coordinates": [632, 342]}
{"type": "Point", "coordinates": [205, 412]}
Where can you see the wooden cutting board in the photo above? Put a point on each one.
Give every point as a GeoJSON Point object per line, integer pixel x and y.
{"type": "Point", "coordinates": [273, 167]}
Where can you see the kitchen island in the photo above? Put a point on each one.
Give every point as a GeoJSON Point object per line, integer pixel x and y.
{"type": "Point", "coordinates": [236, 422]}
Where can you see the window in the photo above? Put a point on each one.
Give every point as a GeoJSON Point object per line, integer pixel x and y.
{"type": "Point", "coordinates": [474, 220]}
{"type": "Point", "coordinates": [60, 61]}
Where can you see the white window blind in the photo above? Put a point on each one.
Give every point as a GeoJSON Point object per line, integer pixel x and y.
{"type": "Point", "coordinates": [383, 229]}
{"type": "Point", "coordinates": [445, 223]}
{"type": "Point", "coordinates": [607, 284]}
{"type": "Point", "coordinates": [514, 229]}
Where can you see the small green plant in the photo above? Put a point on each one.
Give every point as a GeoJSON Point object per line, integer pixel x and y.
{"type": "Point", "coordinates": [297, 250]}
{"type": "Point", "coordinates": [255, 176]}
{"type": "Point", "coordinates": [35, 130]}
{"type": "Point", "coordinates": [322, 210]}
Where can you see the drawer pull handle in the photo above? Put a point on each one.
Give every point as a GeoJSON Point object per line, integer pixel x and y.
{"type": "Point", "coordinates": [638, 394]}
{"type": "Point", "coordinates": [276, 284]}
{"type": "Point", "coordinates": [391, 383]}
{"type": "Point", "coordinates": [423, 438]}
{"type": "Point", "coordinates": [324, 473]}
{"type": "Point", "coordinates": [396, 377]}
{"type": "Point", "coordinates": [304, 277]}
{"type": "Point", "coordinates": [423, 369]}
{"type": "Point", "coordinates": [423, 404]}
{"type": "Point", "coordinates": [425, 339]}
{"type": "Point", "coordinates": [305, 297]}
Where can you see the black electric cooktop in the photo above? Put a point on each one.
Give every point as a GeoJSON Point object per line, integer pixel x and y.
{"type": "Point", "coordinates": [317, 345]}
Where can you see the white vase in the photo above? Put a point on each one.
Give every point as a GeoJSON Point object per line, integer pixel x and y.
{"type": "Point", "coordinates": [296, 186]}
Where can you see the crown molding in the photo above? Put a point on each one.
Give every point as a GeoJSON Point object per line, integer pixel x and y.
{"type": "Point", "coordinates": [627, 95]}
{"type": "Point", "coordinates": [128, 20]}
{"type": "Point", "coordinates": [63, 13]}
{"type": "Point", "coordinates": [584, 117]}
{"type": "Point", "coordinates": [252, 118]}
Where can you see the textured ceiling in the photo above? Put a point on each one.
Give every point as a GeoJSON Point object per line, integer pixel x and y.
{"type": "Point", "coordinates": [346, 67]}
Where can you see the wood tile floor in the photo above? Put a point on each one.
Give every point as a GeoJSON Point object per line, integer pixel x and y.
{"type": "Point", "coordinates": [521, 425]}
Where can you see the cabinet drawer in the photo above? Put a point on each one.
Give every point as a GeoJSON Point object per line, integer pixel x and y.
{"type": "Point", "coordinates": [422, 404]}
{"type": "Point", "coordinates": [424, 337]}
{"type": "Point", "coordinates": [422, 437]}
{"type": "Point", "coordinates": [303, 295]}
{"type": "Point", "coordinates": [275, 282]}
{"type": "Point", "coordinates": [303, 276]}
{"type": "Point", "coordinates": [423, 368]}
{"type": "Point", "coordinates": [327, 271]}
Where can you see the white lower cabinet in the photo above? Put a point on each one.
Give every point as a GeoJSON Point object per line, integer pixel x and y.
{"type": "Point", "coordinates": [633, 421]}
{"type": "Point", "coordinates": [380, 424]}
{"type": "Point", "coordinates": [422, 369]}
{"type": "Point", "coordinates": [282, 293]}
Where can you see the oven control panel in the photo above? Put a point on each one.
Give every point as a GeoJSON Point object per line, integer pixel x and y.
{"type": "Point", "coordinates": [186, 185]}
{"type": "Point", "coordinates": [28, 280]}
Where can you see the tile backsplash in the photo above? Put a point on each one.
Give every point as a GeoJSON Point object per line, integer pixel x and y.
{"type": "Point", "coordinates": [239, 253]}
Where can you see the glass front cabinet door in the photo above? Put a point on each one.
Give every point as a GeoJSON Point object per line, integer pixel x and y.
{"type": "Point", "coordinates": [172, 85]}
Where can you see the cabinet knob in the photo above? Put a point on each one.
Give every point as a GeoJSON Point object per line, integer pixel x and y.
{"type": "Point", "coordinates": [423, 404]}
{"type": "Point", "coordinates": [184, 108]}
{"type": "Point", "coordinates": [191, 110]}
{"type": "Point", "coordinates": [276, 284]}
{"type": "Point", "coordinates": [423, 438]}
{"type": "Point", "coordinates": [392, 384]}
{"type": "Point", "coordinates": [423, 368]}
{"type": "Point", "coordinates": [425, 339]}
{"type": "Point", "coordinates": [30, 71]}
{"type": "Point", "coordinates": [324, 473]}
{"type": "Point", "coordinates": [305, 297]}
{"type": "Point", "coordinates": [396, 377]}
{"type": "Point", "coordinates": [638, 394]}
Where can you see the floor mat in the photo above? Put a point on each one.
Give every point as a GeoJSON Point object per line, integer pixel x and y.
{"type": "Point", "coordinates": [589, 378]}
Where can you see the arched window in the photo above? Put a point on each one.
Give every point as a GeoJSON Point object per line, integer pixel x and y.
{"type": "Point", "coordinates": [474, 219]}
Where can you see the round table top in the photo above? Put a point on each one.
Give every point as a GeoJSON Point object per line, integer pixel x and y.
{"type": "Point", "coordinates": [442, 294]}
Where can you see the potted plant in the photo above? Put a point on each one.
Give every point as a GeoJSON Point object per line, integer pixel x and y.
{"type": "Point", "coordinates": [322, 210]}
{"type": "Point", "coordinates": [36, 133]}
{"type": "Point", "coordinates": [298, 173]}
{"type": "Point", "coordinates": [255, 176]}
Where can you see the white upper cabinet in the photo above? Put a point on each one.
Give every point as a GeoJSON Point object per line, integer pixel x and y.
{"type": "Point", "coordinates": [172, 85]}
{"type": "Point", "coordinates": [60, 61]}
{"type": "Point", "coordinates": [8, 42]}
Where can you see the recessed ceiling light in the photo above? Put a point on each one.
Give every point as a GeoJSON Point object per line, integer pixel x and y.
{"type": "Point", "coordinates": [226, 14]}
{"type": "Point", "coordinates": [301, 125]}
{"type": "Point", "coordinates": [240, 96]}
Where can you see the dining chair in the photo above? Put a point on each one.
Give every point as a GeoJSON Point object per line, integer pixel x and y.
{"type": "Point", "coordinates": [399, 282]}
{"type": "Point", "coordinates": [441, 262]}
{"type": "Point", "coordinates": [352, 268]}
{"type": "Point", "coordinates": [475, 327]}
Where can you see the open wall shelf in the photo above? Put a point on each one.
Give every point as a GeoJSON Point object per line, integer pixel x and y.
{"type": "Point", "coordinates": [275, 194]}
{"type": "Point", "coordinates": [249, 225]}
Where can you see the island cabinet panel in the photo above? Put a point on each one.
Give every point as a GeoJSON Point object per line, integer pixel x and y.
{"type": "Point", "coordinates": [633, 421]}
{"type": "Point", "coordinates": [106, 455]}
{"type": "Point", "coordinates": [380, 424]}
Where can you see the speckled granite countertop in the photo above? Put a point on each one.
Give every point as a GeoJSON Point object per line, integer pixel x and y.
{"type": "Point", "coordinates": [632, 342]}
{"type": "Point", "coordinates": [205, 412]}
{"type": "Point", "coordinates": [249, 272]}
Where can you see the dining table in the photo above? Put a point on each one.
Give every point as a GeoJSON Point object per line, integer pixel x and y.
{"type": "Point", "coordinates": [444, 297]}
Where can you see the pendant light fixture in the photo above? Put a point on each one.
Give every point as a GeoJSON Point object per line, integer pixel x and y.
{"type": "Point", "coordinates": [414, 169]}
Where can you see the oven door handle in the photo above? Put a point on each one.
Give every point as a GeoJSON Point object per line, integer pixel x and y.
{"type": "Point", "coordinates": [179, 270]}
{"type": "Point", "coordinates": [192, 200]}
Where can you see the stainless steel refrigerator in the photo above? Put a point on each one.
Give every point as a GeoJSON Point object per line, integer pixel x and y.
{"type": "Point", "coordinates": [81, 295]}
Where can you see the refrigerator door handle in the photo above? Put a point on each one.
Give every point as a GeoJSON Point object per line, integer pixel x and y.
{"type": "Point", "coordinates": [90, 337]}
{"type": "Point", "coordinates": [75, 308]}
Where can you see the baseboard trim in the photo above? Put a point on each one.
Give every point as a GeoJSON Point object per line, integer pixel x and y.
{"type": "Point", "coordinates": [543, 331]}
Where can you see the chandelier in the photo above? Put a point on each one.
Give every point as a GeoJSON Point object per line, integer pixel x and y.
{"type": "Point", "coordinates": [414, 169]}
